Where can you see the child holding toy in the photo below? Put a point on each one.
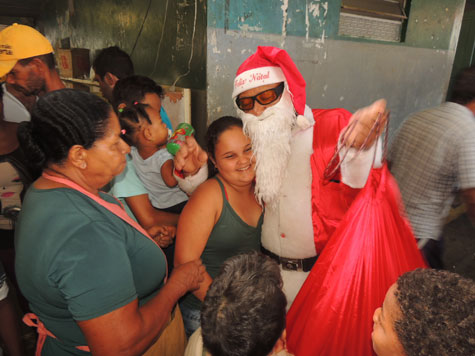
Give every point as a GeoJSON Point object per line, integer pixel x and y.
{"type": "Point", "coordinates": [145, 131]}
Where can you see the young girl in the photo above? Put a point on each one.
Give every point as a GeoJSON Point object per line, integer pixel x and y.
{"type": "Point", "coordinates": [222, 218]}
{"type": "Point", "coordinates": [148, 136]}
{"type": "Point", "coordinates": [127, 185]}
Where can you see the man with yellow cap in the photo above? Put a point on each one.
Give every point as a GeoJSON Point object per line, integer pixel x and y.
{"type": "Point", "coordinates": [27, 63]}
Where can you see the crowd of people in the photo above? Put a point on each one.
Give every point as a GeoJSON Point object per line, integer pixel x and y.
{"type": "Point", "coordinates": [212, 247]}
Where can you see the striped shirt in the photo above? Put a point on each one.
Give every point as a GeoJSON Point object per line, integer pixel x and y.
{"type": "Point", "coordinates": [432, 157]}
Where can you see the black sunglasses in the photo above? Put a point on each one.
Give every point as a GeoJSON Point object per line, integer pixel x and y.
{"type": "Point", "coordinates": [264, 98]}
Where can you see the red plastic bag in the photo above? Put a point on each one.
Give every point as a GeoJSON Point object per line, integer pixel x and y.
{"type": "Point", "coordinates": [372, 246]}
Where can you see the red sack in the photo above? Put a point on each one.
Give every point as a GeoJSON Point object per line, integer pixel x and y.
{"type": "Point", "coordinates": [372, 246]}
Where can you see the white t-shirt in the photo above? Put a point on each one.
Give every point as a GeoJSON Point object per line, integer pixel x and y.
{"type": "Point", "coordinates": [3, 284]}
{"type": "Point", "coordinates": [149, 172]}
{"type": "Point", "coordinates": [13, 109]}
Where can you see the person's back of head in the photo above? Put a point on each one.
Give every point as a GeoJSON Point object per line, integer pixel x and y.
{"type": "Point", "coordinates": [437, 313]}
{"type": "Point", "coordinates": [133, 89]}
{"type": "Point", "coordinates": [60, 120]}
{"type": "Point", "coordinates": [243, 312]}
{"type": "Point", "coordinates": [463, 91]}
{"type": "Point", "coordinates": [113, 60]}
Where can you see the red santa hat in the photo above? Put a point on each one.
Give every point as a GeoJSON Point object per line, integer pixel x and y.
{"type": "Point", "coordinates": [271, 65]}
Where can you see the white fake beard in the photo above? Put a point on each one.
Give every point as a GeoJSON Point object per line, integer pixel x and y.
{"type": "Point", "coordinates": [270, 134]}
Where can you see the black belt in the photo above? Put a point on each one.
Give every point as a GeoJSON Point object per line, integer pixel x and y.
{"type": "Point", "coordinates": [292, 264]}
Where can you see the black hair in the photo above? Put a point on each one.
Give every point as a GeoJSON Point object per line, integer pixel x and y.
{"type": "Point", "coordinates": [113, 60]}
{"type": "Point", "coordinates": [134, 88]}
{"type": "Point", "coordinates": [437, 313]}
{"type": "Point", "coordinates": [243, 313]}
{"type": "Point", "coordinates": [48, 59]}
{"type": "Point", "coordinates": [463, 91]}
{"type": "Point", "coordinates": [1, 93]}
{"type": "Point", "coordinates": [213, 133]}
{"type": "Point", "coordinates": [59, 120]}
{"type": "Point", "coordinates": [131, 118]}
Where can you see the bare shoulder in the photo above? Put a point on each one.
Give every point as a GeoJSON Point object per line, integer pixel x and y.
{"type": "Point", "coordinates": [206, 198]}
{"type": "Point", "coordinates": [203, 209]}
{"type": "Point", "coordinates": [208, 190]}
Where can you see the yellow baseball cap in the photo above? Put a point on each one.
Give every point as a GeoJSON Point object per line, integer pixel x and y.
{"type": "Point", "coordinates": [20, 42]}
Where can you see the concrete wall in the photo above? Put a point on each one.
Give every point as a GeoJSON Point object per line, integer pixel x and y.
{"type": "Point", "coordinates": [340, 72]}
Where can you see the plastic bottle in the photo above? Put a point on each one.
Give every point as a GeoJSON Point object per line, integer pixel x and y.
{"type": "Point", "coordinates": [178, 138]}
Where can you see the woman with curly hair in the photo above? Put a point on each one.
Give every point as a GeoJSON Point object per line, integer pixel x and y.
{"type": "Point", "coordinates": [426, 312]}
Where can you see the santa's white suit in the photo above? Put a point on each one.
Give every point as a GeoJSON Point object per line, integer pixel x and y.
{"type": "Point", "coordinates": [287, 230]}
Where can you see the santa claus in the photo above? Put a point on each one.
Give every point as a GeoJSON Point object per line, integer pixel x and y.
{"type": "Point", "coordinates": [293, 145]}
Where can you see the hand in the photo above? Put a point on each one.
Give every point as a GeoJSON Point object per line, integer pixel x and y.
{"type": "Point", "coordinates": [163, 235]}
{"type": "Point", "coordinates": [190, 158]}
{"type": "Point", "coordinates": [188, 276]}
{"type": "Point", "coordinates": [365, 120]}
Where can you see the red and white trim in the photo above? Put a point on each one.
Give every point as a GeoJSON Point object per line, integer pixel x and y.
{"type": "Point", "coordinates": [257, 77]}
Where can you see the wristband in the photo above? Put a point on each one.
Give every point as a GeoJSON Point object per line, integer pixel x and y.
{"type": "Point", "coordinates": [178, 173]}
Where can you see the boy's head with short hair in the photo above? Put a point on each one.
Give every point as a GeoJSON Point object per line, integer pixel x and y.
{"type": "Point", "coordinates": [243, 312]}
{"type": "Point", "coordinates": [426, 312]}
{"type": "Point", "coordinates": [136, 88]}
{"type": "Point", "coordinates": [111, 65]}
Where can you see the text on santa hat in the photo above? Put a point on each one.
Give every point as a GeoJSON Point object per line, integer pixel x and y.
{"type": "Point", "coordinates": [253, 77]}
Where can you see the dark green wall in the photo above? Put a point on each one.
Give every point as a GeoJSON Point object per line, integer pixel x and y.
{"type": "Point", "coordinates": [164, 47]}
{"type": "Point", "coordinates": [294, 18]}
{"type": "Point", "coordinates": [429, 26]}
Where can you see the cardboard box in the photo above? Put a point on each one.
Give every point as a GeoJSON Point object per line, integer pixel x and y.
{"type": "Point", "coordinates": [73, 63]}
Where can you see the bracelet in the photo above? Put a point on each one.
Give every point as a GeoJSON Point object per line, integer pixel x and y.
{"type": "Point", "coordinates": [178, 173]}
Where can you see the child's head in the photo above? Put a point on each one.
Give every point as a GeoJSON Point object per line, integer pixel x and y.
{"type": "Point", "coordinates": [426, 312]}
{"type": "Point", "coordinates": [243, 312]}
{"type": "Point", "coordinates": [142, 125]}
{"type": "Point", "coordinates": [137, 88]}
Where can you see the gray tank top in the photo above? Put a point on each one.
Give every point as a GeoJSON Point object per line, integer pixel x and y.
{"type": "Point", "coordinates": [229, 237]}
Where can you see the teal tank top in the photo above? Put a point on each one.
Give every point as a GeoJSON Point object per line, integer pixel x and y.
{"type": "Point", "coordinates": [229, 237]}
